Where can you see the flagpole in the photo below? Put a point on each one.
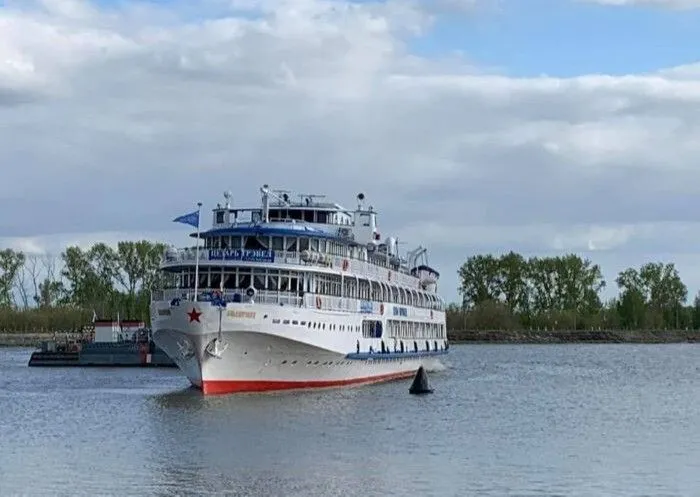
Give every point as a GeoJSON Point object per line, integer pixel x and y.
{"type": "Point", "coordinates": [196, 264]}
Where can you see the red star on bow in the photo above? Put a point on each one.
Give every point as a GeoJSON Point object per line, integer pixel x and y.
{"type": "Point", "coordinates": [194, 315]}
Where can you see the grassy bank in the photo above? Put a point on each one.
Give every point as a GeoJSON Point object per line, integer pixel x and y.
{"type": "Point", "coordinates": [574, 336]}
{"type": "Point", "coordinates": [25, 339]}
{"type": "Point", "coordinates": [33, 338]}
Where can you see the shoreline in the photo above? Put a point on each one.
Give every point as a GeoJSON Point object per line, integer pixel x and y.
{"type": "Point", "coordinates": [34, 339]}
{"type": "Point", "coordinates": [27, 339]}
{"type": "Point", "coordinates": [574, 336]}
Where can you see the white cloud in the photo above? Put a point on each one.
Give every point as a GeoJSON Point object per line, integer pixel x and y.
{"type": "Point", "coordinates": [115, 120]}
{"type": "Point", "coordinates": [676, 4]}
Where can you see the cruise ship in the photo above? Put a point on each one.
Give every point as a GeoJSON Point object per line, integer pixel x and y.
{"type": "Point", "coordinates": [296, 293]}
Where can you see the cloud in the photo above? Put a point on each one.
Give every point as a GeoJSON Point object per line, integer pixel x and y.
{"type": "Point", "coordinates": [115, 119]}
{"type": "Point", "coordinates": [674, 4]}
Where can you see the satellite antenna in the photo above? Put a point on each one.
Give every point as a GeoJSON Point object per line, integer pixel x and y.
{"type": "Point", "coordinates": [227, 196]}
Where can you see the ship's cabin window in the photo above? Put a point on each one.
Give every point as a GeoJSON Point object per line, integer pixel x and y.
{"type": "Point", "coordinates": [220, 217]}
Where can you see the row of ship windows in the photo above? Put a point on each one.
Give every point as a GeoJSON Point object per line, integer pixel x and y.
{"type": "Point", "coordinates": [317, 326]}
{"type": "Point", "coordinates": [300, 282]}
{"type": "Point", "coordinates": [373, 329]}
{"type": "Point", "coordinates": [414, 329]}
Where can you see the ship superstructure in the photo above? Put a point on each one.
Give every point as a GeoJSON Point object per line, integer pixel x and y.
{"type": "Point", "coordinates": [297, 293]}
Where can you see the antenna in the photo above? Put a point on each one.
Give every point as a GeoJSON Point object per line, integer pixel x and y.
{"type": "Point", "coordinates": [265, 190]}
{"type": "Point", "coordinates": [360, 198]}
{"type": "Point", "coordinates": [227, 196]}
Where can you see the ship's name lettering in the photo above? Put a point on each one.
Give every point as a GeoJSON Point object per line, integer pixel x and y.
{"type": "Point", "coordinates": [241, 314]}
{"type": "Point", "coordinates": [242, 255]}
{"type": "Point", "coordinates": [400, 311]}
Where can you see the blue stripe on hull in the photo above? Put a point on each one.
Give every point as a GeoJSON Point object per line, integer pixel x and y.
{"type": "Point", "coordinates": [364, 356]}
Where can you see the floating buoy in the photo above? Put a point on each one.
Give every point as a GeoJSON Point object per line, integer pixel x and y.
{"type": "Point", "coordinates": [420, 383]}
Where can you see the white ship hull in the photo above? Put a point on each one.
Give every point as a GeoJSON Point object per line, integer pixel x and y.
{"type": "Point", "coordinates": [251, 354]}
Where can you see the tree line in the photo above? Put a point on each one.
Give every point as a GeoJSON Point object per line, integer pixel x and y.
{"type": "Point", "coordinates": [508, 292]}
{"type": "Point", "coordinates": [511, 292]}
{"type": "Point", "coordinates": [62, 293]}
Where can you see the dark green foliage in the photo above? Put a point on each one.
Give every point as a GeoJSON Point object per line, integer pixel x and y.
{"type": "Point", "coordinates": [563, 293]}
{"type": "Point", "coordinates": [101, 279]}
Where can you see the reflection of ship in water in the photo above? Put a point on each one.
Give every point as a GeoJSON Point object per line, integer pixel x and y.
{"type": "Point", "coordinates": [103, 343]}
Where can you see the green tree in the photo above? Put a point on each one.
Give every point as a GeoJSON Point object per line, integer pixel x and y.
{"type": "Point", "coordinates": [652, 296]}
{"type": "Point", "coordinates": [10, 264]}
{"type": "Point", "coordinates": [512, 282]}
{"type": "Point", "coordinates": [479, 280]}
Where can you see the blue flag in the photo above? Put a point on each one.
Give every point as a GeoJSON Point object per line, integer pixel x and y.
{"type": "Point", "coordinates": [192, 218]}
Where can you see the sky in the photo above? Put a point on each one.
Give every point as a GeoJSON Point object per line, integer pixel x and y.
{"type": "Point", "coordinates": [545, 127]}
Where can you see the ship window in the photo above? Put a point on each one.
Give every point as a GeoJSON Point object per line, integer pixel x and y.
{"type": "Point", "coordinates": [235, 242]}
{"type": "Point", "coordinates": [303, 244]}
{"type": "Point", "coordinates": [252, 243]}
{"type": "Point", "coordinates": [286, 321]}
{"type": "Point", "coordinates": [277, 243]}
{"type": "Point", "coordinates": [295, 322]}
{"type": "Point", "coordinates": [273, 281]}
{"type": "Point", "coordinates": [322, 216]}
{"type": "Point", "coordinates": [314, 244]}
{"type": "Point", "coordinates": [220, 217]}
{"type": "Point", "coordinates": [284, 283]}
{"type": "Point", "coordinates": [215, 279]}
{"type": "Point", "coordinates": [291, 244]}
{"type": "Point", "coordinates": [259, 279]}
{"type": "Point", "coordinates": [275, 321]}
{"type": "Point", "coordinates": [243, 279]}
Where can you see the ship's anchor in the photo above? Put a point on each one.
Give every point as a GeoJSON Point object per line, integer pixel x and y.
{"type": "Point", "coordinates": [218, 346]}
{"type": "Point", "coordinates": [185, 349]}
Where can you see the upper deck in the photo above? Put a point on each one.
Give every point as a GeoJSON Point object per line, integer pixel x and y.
{"type": "Point", "coordinates": [309, 232]}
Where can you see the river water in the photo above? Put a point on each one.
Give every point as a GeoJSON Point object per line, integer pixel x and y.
{"type": "Point", "coordinates": [527, 420]}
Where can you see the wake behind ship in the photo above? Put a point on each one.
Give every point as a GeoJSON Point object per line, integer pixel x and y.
{"type": "Point", "coordinates": [296, 294]}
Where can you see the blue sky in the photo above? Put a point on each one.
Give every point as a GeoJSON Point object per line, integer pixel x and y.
{"type": "Point", "coordinates": [166, 110]}
{"type": "Point", "coordinates": [567, 38]}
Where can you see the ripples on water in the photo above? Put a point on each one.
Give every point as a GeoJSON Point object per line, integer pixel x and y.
{"type": "Point", "coordinates": [531, 420]}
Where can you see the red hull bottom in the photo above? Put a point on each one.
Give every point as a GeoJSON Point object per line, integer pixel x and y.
{"type": "Point", "coordinates": [214, 387]}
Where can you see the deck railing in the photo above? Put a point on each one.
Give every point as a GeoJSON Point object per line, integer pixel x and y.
{"type": "Point", "coordinates": [355, 266]}
{"type": "Point", "coordinates": [262, 297]}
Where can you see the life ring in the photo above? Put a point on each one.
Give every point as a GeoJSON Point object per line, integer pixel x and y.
{"type": "Point", "coordinates": [318, 302]}
{"type": "Point", "coordinates": [346, 264]}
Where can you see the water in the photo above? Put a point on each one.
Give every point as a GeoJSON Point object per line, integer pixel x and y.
{"type": "Point", "coordinates": [574, 420]}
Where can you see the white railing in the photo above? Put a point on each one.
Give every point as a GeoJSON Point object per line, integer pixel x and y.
{"type": "Point", "coordinates": [231, 296]}
{"type": "Point", "coordinates": [355, 266]}
{"type": "Point", "coordinates": [322, 302]}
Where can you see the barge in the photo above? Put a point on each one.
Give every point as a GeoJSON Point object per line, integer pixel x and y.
{"type": "Point", "coordinates": [109, 344]}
